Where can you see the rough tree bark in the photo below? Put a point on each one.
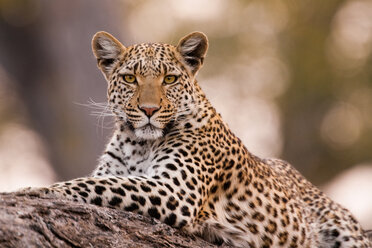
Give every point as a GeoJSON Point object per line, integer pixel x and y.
{"type": "Point", "coordinates": [27, 221]}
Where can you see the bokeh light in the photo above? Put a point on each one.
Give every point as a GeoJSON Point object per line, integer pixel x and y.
{"type": "Point", "coordinates": [342, 125]}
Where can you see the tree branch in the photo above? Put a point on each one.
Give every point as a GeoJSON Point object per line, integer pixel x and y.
{"type": "Point", "coordinates": [27, 221]}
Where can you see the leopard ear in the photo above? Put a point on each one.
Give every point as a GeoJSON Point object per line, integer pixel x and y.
{"type": "Point", "coordinates": [106, 49]}
{"type": "Point", "coordinates": [193, 48]}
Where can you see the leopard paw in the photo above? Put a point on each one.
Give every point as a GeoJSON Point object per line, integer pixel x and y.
{"type": "Point", "coordinates": [41, 192]}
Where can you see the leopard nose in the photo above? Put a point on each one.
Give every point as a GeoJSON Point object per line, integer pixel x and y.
{"type": "Point", "coordinates": [149, 111]}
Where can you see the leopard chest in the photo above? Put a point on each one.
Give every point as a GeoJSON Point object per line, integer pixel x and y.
{"type": "Point", "coordinates": [124, 156]}
{"type": "Point", "coordinates": [136, 156]}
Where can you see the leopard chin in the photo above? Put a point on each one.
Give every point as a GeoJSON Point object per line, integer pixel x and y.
{"type": "Point", "coordinates": [148, 132]}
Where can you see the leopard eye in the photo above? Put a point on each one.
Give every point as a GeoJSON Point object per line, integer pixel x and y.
{"type": "Point", "coordinates": [129, 78]}
{"type": "Point", "coordinates": [170, 79]}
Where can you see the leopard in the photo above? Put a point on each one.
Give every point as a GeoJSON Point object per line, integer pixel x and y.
{"type": "Point", "coordinates": [173, 158]}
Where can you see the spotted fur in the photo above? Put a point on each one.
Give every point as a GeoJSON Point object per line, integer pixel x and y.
{"type": "Point", "coordinates": [172, 157]}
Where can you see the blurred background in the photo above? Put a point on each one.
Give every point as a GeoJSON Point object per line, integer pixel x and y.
{"type": "Point", "coordinates": [293, 80]}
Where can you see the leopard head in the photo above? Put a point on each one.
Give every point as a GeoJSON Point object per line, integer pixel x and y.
{"type": "Point", "coordinates": [150, 86]}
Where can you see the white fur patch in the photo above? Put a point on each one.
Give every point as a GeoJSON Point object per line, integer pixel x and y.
{"type": "Point", "coordinates": [110, 49]}
{"type": "Point", "coordinates": [190, 45]}
{"type": "Point", "coordinates": [148, 132]}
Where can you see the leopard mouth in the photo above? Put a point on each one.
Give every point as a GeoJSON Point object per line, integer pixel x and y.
{"type": "Point", "coordinates": [149, 126]}
{"type": "Point", "coordinates": [148, 132]}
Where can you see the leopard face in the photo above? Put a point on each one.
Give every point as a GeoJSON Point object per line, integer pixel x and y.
{"type": "Point", "coordinates": [151, 86]}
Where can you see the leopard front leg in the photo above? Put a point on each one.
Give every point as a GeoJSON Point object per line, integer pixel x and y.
{"type": "Point", "coordinates": [42, 192]}
{"type": "Point", "coordinates": [161, 199]}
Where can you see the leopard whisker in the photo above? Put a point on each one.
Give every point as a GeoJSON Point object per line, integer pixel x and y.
{"type": "Point", "coordinates": [100, 110]}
